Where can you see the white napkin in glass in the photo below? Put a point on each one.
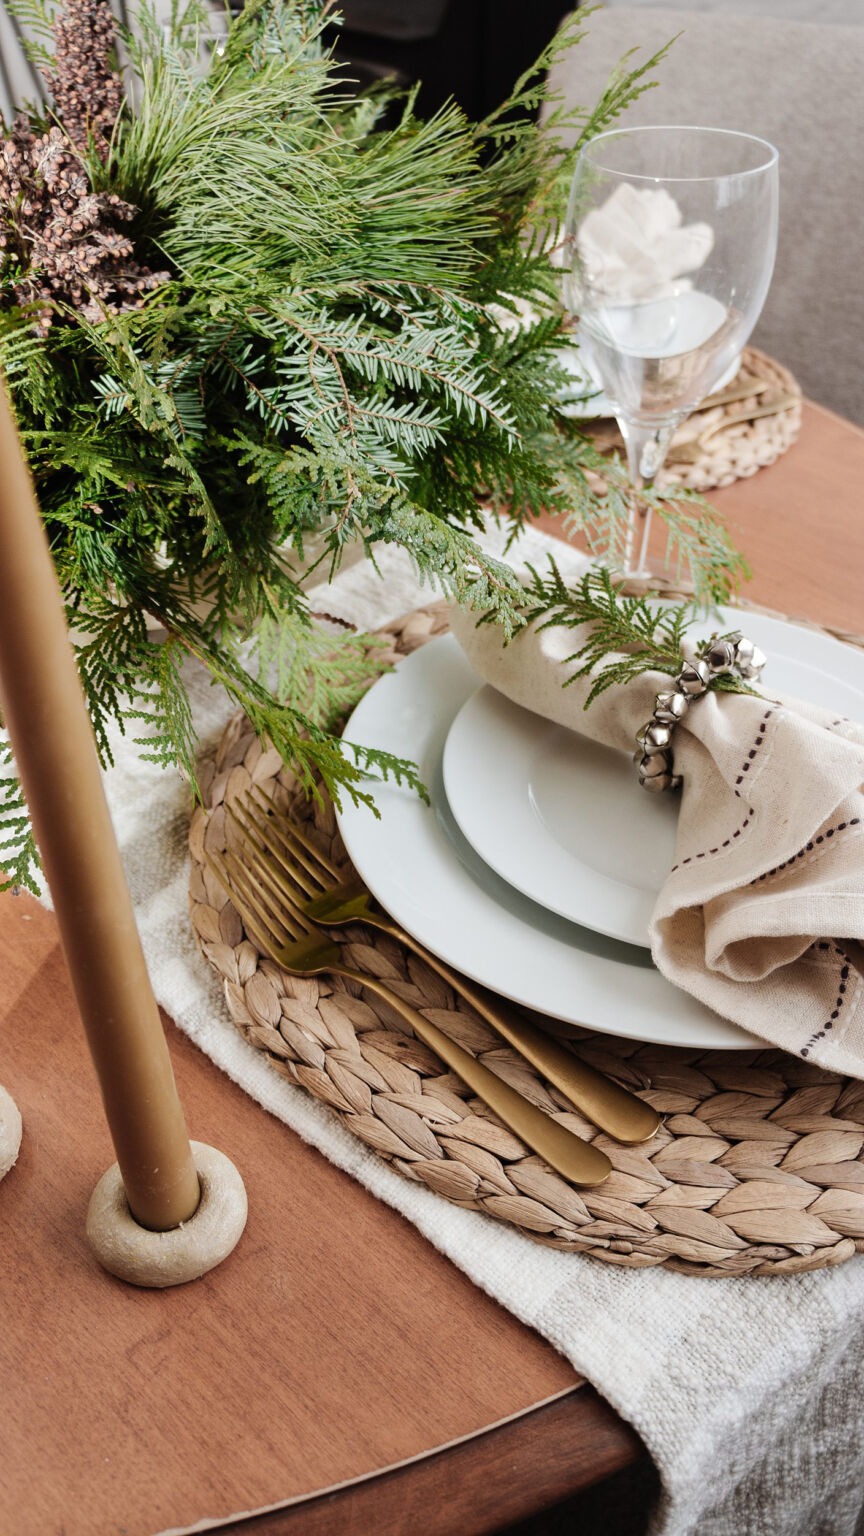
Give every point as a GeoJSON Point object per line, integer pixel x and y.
{"type": "Point", "coordinates": [763, 910]}
{"type": "Point", "coordinates": [634, 245]}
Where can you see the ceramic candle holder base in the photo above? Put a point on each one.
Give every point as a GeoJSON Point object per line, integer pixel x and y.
{"type": "Point", "coordinates": [160, 1259]}
{"type": "Point", "coordinates": [10, 1132]}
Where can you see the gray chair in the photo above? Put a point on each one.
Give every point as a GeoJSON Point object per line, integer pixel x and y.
{"type": "Point", "coordinates": [832, 13]}
{"type": "Point", "coordinates": [799, 85]}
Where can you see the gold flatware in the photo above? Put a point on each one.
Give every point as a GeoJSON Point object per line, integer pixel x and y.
{"type": "Point", "coordinates": [326, 899]}
{"type": "Point", "coordinates": [739, 389]}
{"type": "Point", "coordinates": [258, 891]}
{"type": "Point", "coordinates": [689, 451]}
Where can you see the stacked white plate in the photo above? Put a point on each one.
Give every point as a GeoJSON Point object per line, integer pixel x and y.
{"type": "Point", "coordinates": [535, 868]}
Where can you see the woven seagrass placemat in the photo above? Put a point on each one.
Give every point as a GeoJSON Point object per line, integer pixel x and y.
{"type": "Point", "coordinates": [738, 449]}
{"type": "Point", "coordinates": [757, 1169]}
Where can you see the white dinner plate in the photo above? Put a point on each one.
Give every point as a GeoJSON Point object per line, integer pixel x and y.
{"type": "Point", "coordinates": [424, 872]}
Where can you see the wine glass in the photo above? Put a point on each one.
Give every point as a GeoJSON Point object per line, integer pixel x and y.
{"type": "Point", "coordinates": [670, 243]}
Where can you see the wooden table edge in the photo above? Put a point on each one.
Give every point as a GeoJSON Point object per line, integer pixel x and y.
{"type": "Point", "coordinates": [476, 1484]}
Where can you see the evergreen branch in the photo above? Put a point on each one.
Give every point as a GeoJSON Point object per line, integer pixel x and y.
{"type": "Point", "coordinates": [360, 339]}
{"type": "Point", "coordinates": [19, 858]}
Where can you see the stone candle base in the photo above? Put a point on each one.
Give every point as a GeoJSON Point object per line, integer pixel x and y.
{"type": "Point", "coordinates": [160, 1259]}
{"type": "Point", "coordinates": [10, 1132]}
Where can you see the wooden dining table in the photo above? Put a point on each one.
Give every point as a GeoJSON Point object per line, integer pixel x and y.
{"type": "Point", "coordinates": [336, 1374]}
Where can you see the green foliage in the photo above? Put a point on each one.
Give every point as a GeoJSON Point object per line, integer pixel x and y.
{"type": "Point", "coordinates": [626, 636]}
{"type": "Point", "coordinates": [331, 361]}
{"type": "Point", "coordinates": [18, 856]}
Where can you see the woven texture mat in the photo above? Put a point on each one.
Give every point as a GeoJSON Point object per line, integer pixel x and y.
{"type": "Point", "coordinates": [740, 448]}
{"type": "Point", "coordinates": [758, 1166]}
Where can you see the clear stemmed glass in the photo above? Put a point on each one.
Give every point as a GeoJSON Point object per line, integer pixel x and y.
{"type": "Point", "coordinates": [670, 243]}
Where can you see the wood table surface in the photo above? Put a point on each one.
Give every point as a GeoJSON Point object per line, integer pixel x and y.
{"type": "Point", "coordinates": [336, 1365]}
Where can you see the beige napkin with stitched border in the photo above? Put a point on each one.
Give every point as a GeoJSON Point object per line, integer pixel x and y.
{"type": "Point", "coordinates": [763, 909]}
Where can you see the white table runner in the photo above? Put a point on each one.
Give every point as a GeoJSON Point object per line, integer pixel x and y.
{"type": "Point", "coordinates": [746, 1391]}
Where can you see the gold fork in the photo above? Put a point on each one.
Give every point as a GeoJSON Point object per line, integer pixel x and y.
{"type": "Point", "coordinates": [279, 927]}
{"type": "Point", "coordinates": [324, 898]}
{"type": "Point", "coordinates": [690, 450]}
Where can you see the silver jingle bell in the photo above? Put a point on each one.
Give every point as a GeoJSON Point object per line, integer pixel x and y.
{"type": "Point", "coordinates": [720, 656]}
{"type": "Point", "coordinates": [751, 669]}
{"type": "Point", "coordinates": [658, 737]}
{"type": "Point", "coordinates": [693, 678]}
{"type": "Point", "coordinates": [658, 783]}
{"type": "Point", "coordinates": [669, 708]}
{"type": "Point", "coordinates": [654, 765]}
{"type": "Point", "coordinates": [655, 737]}
{"type": "Point", "coordinates": [744, 649]}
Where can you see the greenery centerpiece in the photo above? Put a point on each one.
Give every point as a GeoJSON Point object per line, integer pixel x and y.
{"type": "Point", "coordinates": [243, 306]}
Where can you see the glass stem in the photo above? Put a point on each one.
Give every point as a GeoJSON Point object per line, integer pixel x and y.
{"type": "Point", "coordinates": [646, 452]}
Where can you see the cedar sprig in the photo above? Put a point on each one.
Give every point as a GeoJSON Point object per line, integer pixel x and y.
{"type": "Point", "coordinates": [626, 636]}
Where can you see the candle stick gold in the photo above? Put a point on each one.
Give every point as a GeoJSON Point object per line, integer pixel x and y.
{"type": "Point", "coordinates": [49, 728]}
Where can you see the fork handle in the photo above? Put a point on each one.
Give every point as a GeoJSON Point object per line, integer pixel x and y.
{"type": "Point", "coordinates": [687, 452]}
{"type": "Point", "coordinates": [614, 1109]}
{"type": "Point", "coordinates": [576, 1160]}
{"type": "Point", "coordinates": [771, 407]}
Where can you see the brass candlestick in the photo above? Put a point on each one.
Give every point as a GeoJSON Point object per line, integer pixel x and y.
{"type": "Point", "coordinates": [49, 728]}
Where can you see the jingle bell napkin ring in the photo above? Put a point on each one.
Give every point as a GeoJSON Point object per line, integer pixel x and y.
{"type": "Point", "coordinates": [736, 655]}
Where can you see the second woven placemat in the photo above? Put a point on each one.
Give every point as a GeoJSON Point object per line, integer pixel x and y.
{"type": "Point", "coordinates": [757, 1169]}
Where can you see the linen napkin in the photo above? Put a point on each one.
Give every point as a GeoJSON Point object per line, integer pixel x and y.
{"type": "Point", "coordinates": [635, 246]}
{"type": "Point", "coordinates": [761, 913]}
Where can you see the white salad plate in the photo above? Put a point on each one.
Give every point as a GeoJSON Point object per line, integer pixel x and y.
{"type": "Point", "coordinates": [555, 814]}
{"type": "Point", "coordinates": [425, 873]}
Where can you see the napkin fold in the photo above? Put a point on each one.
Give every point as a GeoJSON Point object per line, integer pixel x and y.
{"type": "Point", "coordinates": [635, 245]}
{"type": "Point", "coordinates": [762, 912]}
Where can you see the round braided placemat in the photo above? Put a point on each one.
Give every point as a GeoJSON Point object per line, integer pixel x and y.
{"type": "Point", "coordinates": [757, 1169]}
{"type": "Point", "coordinates": [739, 449]}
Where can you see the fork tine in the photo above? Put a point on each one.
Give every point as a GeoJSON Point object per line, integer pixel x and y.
{"type": "Point", "coordinates": [246, 913]}
{"type": "Point", "coordinates": [256, 833]}
{"type": "Point", "coordinates": [273, 898]}
{"type": "Point", "coordinates": [284, 888]}
{"type": "Point", "coordinates": [292, 833]}
{"type": "Point", "coordinates": [260, 902]}
{"type": "Point", "coordinates": [310, 864]}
